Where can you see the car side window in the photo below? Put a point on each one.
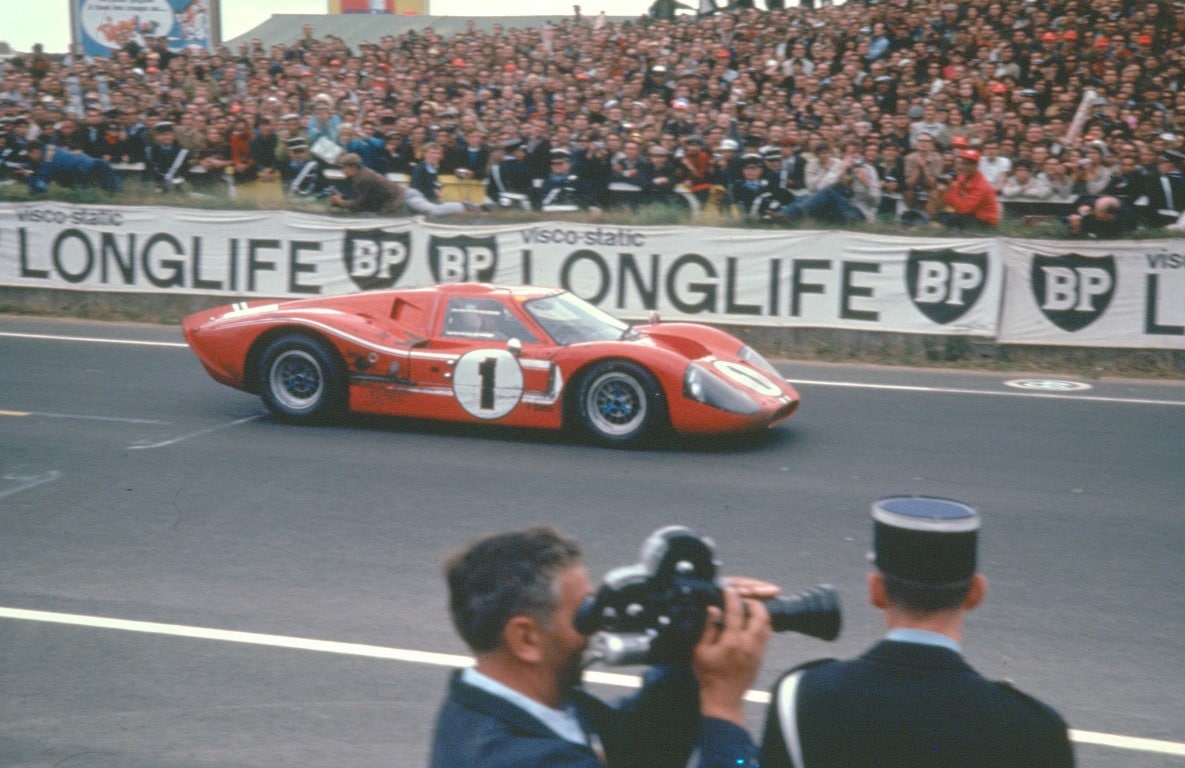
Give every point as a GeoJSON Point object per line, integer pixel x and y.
{"type": "Point", "coordinates": [483, 319]}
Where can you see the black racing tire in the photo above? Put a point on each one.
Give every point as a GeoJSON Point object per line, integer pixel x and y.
{"type": "Point", "coordinates": [301, 380]}
{"type": "Point", "coordinates": [620, 403]}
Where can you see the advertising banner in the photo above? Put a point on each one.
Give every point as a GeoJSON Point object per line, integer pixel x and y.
{"type": "Point", "coordinates": [103, 26]}
{"type": "Point", "coordinates": [754, 277]}
{"type": "Point", "coordinates": [1119, 293]}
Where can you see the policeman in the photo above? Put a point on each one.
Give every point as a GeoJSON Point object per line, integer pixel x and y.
{"type": "Point", "coordinates": [165, 161]}
{"type": "Point", "coordinates": [301, 175]}
{"type": "Point", "coordinates": [560, 189]}
{"type": "Point", "coordinates": [509, 181]}
{"type": "Point", "coordinates": [912, 699]}
{"type": "Point", "coordinates": [754, 195]}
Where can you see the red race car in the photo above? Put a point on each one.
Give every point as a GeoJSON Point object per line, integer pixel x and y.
{"type": "Point", "coordinates": [521, 357]}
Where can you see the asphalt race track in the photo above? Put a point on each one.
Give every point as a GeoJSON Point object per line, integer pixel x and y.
{"type": "Point", "coordinates": [184, 582]}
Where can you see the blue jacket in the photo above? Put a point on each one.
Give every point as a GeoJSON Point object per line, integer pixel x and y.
{"type": "Point", "coordinates": [908, 704]}
{"type": "Point", "coordinates": [657, 728]}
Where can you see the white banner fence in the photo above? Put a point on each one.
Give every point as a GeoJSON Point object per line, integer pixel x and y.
{"type": "Point", "coordinates": [1128, 294]}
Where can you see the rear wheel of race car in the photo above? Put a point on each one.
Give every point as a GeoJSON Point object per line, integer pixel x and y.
{"type": "Point", "coordinates": [301, 380]}
{"type": "Point", "coordinates": [620, 403]}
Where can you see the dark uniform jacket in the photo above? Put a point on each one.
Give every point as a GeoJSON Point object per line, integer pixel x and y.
{"type": "Point", "coordinates": [657, 728]}
{"type": "Point", "coordinates": [1158, 199]}
{"type": "Point", "coordinates": [163, 164]}
{"type": "Point", "coordinates": [909, 704]}
{"type": "Point", "coordinates": [303, 178]}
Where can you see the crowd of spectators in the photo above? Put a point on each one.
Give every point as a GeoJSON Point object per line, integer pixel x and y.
{"type": "Point", "coordinates": [890, 106]}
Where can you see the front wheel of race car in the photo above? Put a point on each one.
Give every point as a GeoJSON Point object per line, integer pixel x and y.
{"type": "Point", "coordinates": [300, 380]}
{"type": "Point", "coordinates": [620, 403]}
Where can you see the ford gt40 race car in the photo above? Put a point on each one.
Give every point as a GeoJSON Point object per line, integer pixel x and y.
{"type": "Point", "coordinates": [521, 357]}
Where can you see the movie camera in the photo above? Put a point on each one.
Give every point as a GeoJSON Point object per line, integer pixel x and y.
{"type": "Point", "coordinates": [654, 611]}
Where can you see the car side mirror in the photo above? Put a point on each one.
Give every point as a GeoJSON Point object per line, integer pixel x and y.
{"type": "Point", "coordinates": [515, 346]}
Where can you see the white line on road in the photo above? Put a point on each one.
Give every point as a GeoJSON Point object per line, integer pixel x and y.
{"type": "Point", "coordinates": [848, 384]}
{"type": "Point", "coordinates": [452, 660]}
{"type": "Point", "coordinates": [94, 340]}
{"type": "Point", "coordinates": [82, 416]}
{"type": "Point", "coordinates": [984, 392]}
{"type": "Point", "coordinates": [25, 483]}
{"type": "Point", "coordinates": [190, 435]}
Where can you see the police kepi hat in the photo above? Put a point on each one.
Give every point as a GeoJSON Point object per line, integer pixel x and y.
{"type": "Point", "coordinates": [925, 540]}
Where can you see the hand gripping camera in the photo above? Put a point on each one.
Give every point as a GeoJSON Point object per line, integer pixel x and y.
{"type": "Point", "coordinates": [653, 612]}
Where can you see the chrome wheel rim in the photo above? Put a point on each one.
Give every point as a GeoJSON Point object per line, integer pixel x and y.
{"type": "Point", "coordinates": [296, 380]}
{"type": "Point", "coordinates": [616, 404]}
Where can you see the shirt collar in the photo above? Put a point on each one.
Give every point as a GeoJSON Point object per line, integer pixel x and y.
{"type": "Point", "coordinates": [562, 722]}
{"type": "Point", "coordinates": [923, 637]}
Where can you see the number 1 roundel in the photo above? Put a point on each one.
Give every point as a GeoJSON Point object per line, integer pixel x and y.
{"type": "Point", "coordinates": [488, 383]}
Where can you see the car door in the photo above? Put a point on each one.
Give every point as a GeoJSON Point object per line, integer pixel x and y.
{"type": "Point", "coordinates": [484, 363]}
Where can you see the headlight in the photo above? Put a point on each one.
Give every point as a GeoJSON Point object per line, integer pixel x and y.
{"type": "Point", "coordinates": [754, 358]}
{"type": "Point", "coordinates": [702, 386]}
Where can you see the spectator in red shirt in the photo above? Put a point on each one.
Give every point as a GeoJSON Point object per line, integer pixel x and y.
{"type": "Point", "coordinates": [969, 196]}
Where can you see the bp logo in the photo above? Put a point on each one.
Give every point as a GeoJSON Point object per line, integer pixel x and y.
{"type": "Point", "coordinates": [945, 284]}
{"type": "Point", "coordinates": [463, 259]}
{"type": "Point", "coordinates": [375, 259]}
{"type": "Point", "coordinates": [1073, 290]}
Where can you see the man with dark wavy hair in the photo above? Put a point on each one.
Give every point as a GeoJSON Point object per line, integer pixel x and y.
{"type": "Point", "coordinates": [513, 599]}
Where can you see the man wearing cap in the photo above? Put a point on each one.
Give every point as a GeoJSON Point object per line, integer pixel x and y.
{"type": "Point", "coordinates": [509, 181]}
{"type": "Point", "coordinates": [165, 161]}
{"type": "Point", "coordinates": [561, 190]}
{"type": "Point", "coordinates": [301, 175]}
{"type": "Point", "coordinates": [969, 197]}
{"type": "Point", "coordinates": [912, 700]}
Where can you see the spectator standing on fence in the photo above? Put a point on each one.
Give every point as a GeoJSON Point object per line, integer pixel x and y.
{"type": "Point", "coordinates": [970, 200]}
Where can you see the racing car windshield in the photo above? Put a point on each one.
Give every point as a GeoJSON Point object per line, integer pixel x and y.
{"type": "Point", "coordinates": [571, 320]}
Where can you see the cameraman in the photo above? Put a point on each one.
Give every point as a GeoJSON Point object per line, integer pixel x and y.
{"type": "Point", "coordinates": [513, 599]}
